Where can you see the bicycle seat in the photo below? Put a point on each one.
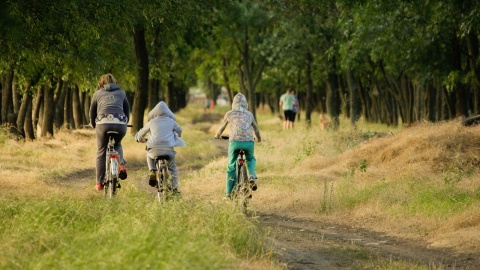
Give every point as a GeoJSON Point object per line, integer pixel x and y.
{"type": "Point", "coordinates": [165, 157]}
{"type": "Point", "coordinates": [112, 132]}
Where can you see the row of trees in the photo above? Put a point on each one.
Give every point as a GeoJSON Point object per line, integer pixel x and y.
{"type": "Point", "coordinates": [387, 61]}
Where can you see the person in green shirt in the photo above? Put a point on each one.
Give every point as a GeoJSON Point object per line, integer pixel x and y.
{"type": "Point", "coordinates": [287, 101]}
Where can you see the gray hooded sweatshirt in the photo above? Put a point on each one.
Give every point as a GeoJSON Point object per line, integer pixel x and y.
{"type": "Point", "coordinates": [242, 122]}
{"type": "Point", "coordinates": [164, 131]}
{"type": "Point", "coordinates": [110, 99]}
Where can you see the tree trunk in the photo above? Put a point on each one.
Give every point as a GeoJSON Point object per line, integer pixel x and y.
{"type": "Point", "coordinates": [22, 112]}
{"type": "Point", "coordinates": [86, 100]}
{"type": "Point", "coordinates": [460, 90]}
{"type": "Point", "coordinates": [37, 109]}
{"type": "Point", "coordinates": [67, 109]}
{"type": "Point", "coordinates": [248, 66]}
{"type": "Point", "coordinates": [48, 113]}
{"type": "Point", "coordinates": [77, 108]}
{"type": "Point", "coordinates": [308, 95]}
{"type": "Point", "coordinates": [333, 99]}
{"type": "Point", "coordinates": [7, 98]}
{"type": "Point", "coordinates": [28, 124]}
{"type": "Point", "coordinates": [226, 79]}
{"type": "Point", "coordinates": [153, 93]}
{"type": "Point", "coordinates": [59, 100]}
{"type": "Point", "coordinates": [354, 99]}
{"type": "Point", "coordinates": [431, 100]}
{"type": "Point", "coordinates": [141, 92]}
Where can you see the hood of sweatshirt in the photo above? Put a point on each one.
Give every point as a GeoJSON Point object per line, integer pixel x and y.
{"type": "Point", "coordinates": [239, 102]}
{"type": "Point", "coordinates": [111, 87]}
{"type": "Point", "coordinates": [161, 109]}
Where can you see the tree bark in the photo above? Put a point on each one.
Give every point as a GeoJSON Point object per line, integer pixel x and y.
{"type": "Point", "coordinates": [48, 113]}
{"type": "Point", "coordinates": [67, 109]}
{"type": "Point", "coordinates": [141, 92]}
{"type": "Point", "coordinates": [7, 97]}
{"type": "Point", "coordinates": [37, 110]}
{"type": "Point", "coordinates": [308, 95]}
{"type": "Point", "coordinates": [77, 108]}
{"type": "Point", "coordinates": [59, 99]}
{"type": "Point", "coordinates": [333, 99]}
{"type": "Point", "coordinates": [354, 99]}
{"type": "Point", "coordinates": [28, 124]}
{"type": "Point", "coordinates": [22, 112]}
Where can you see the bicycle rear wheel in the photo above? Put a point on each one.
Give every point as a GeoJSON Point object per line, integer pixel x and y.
{"type": "Point", "coordinates": [242, 189]}
{"type": "Point", "coordinates": [162, 178]}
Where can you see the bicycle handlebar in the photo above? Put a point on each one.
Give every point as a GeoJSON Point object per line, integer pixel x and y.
{"type": "Point", "coordinates": [89, 126]}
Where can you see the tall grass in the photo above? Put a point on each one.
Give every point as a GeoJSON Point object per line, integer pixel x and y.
{"type": "Point", "coordinates": [129, 232]}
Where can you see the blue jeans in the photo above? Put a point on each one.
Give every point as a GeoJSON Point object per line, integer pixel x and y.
{"type": "Point", "coordinates": [233, 149]}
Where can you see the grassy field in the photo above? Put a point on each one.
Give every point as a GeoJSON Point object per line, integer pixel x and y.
{"type": "Point", "coordinates": [419, 182]}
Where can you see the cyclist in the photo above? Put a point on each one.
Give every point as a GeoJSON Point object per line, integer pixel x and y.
{"type": "Point", "coordinates": [109, 111]}
{"type": "Point", "coordinates": [164, 135]}
{"type": "Point", "coordinates": [243, 125]}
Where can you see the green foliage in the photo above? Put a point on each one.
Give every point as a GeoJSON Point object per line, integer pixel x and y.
{"type": "Point", "coordinates": [363, 165]}
{"type": "Point", "coordinates": [351, 197]}
{"type": "Point", "coordinates": [439, 202]}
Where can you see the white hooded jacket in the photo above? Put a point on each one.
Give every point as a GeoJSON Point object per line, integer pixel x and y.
{"type": "Point", "coordinates": [164, 131]}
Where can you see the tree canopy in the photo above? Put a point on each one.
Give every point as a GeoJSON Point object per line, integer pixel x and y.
{"type": "Point", "coordinates": [390, 62]}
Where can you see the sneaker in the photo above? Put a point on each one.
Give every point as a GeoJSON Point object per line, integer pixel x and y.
{"type": "Point", "coordinates": [176, 192]}
{"type": "Point", "coordinates": [99, 187]}
{"type": "Point", "coordinates": [227, 197]}
{"type": "Point", "coordinates": [123, 172]}
{"type": "Point", "coordinates": [253, 183]}
{"type": "Point", "coordinates": [152, 179]}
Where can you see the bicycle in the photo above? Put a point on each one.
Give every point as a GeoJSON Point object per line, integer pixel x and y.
{"type": "Point", "coordinates": [112, 166]}
{"type": "Point", "coordinates": [242, 191]}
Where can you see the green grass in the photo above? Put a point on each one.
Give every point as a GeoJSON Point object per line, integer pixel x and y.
{"type": "Point", "coordinates": [129, 232]}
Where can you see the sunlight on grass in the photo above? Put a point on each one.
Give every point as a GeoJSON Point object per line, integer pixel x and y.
{"type": "Point", "coordinates": [412, 182]}
{"type": "Point", "coordinates": [63, 232]}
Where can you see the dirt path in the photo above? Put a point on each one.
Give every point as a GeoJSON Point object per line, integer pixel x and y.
{"type": "Point", "coordinates": [306, 244]}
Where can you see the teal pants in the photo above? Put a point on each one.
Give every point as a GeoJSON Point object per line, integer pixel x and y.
{"type": "Point", "coordinates": [233, 149]}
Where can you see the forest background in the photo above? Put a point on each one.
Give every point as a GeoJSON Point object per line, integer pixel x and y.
{"type": "Point", "coordinates": [390, 62]}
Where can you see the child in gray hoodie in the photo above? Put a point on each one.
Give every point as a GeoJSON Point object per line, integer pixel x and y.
{"type": "Point", "coordinates": [164, 135]}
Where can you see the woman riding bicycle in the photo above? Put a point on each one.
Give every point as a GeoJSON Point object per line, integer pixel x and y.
{"type": "Point", "coordinates": [242, 127]}
{"type": "Point", "coordinates": [109, 111]}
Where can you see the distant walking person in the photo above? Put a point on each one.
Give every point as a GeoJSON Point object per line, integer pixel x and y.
{"type": "Point", "coordinates": [286, 102]}
{"type": "Point", "coordinates": [109, 111]}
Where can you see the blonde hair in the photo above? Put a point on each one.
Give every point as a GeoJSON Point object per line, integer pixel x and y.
{"type": "Point", "coordinates": [106, 78]}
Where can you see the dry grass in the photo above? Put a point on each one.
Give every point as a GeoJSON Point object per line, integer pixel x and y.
{"type": "Point", "coordinates": [419, 182]}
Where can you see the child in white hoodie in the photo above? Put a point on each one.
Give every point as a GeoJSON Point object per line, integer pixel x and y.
{"type": "Point", "coordinates": [164, 135]}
